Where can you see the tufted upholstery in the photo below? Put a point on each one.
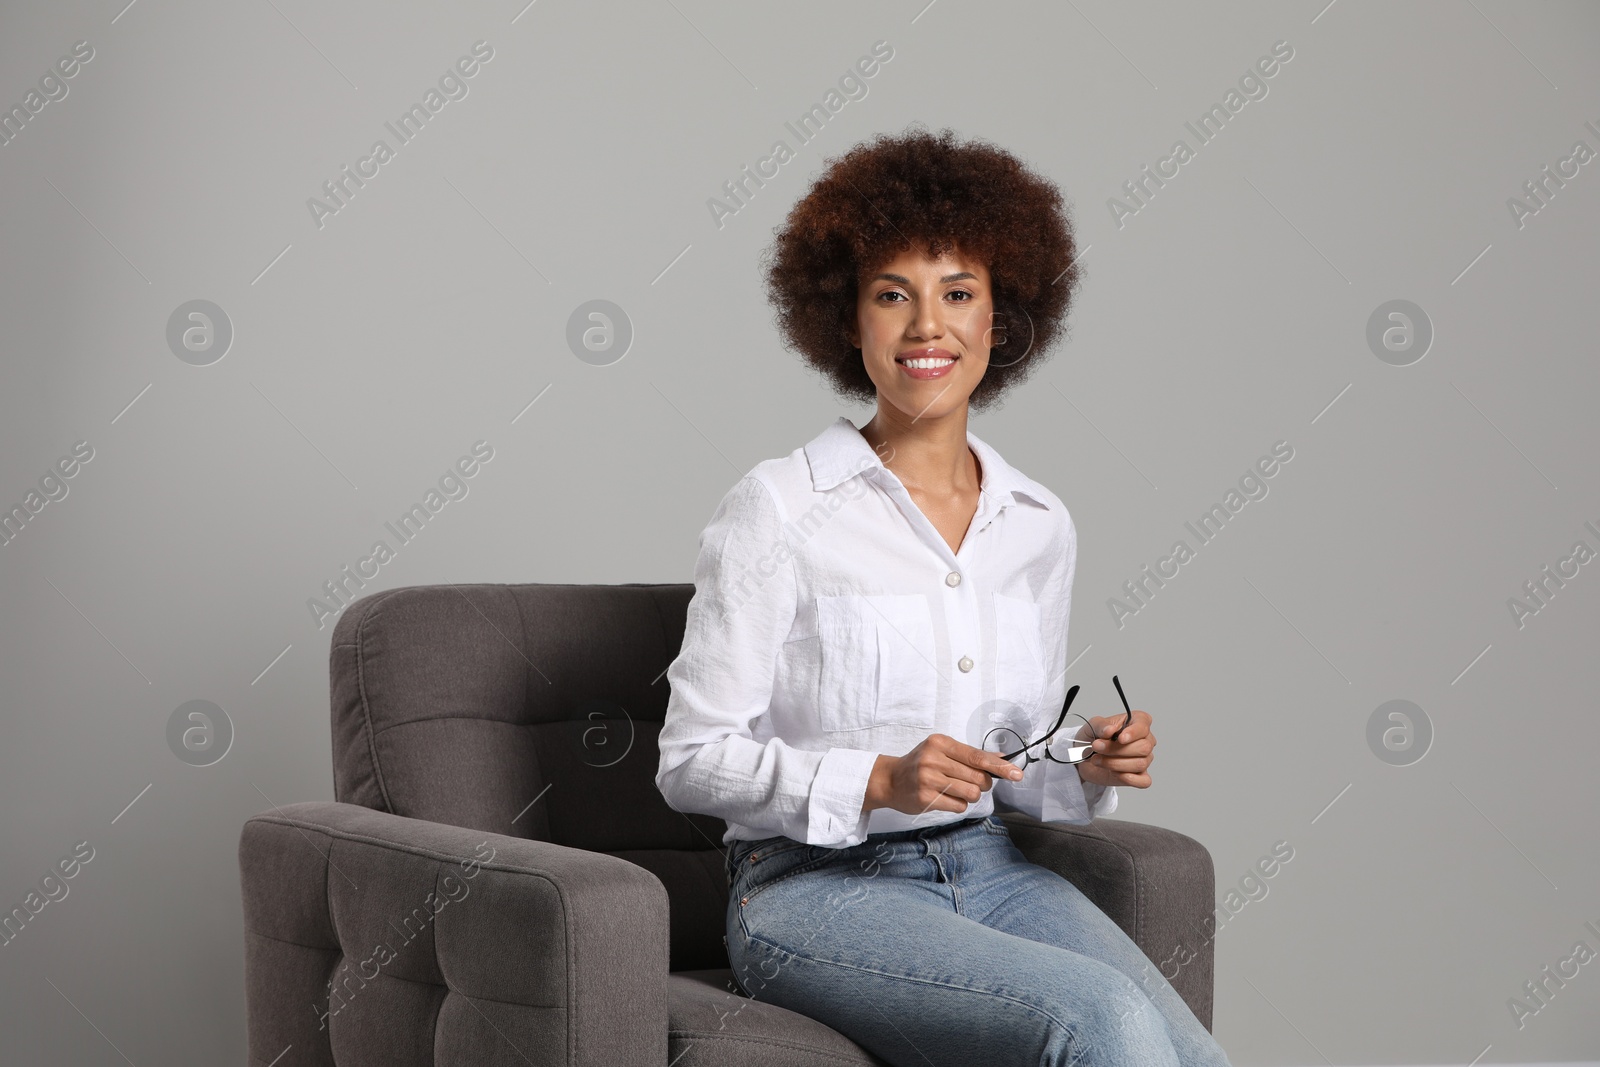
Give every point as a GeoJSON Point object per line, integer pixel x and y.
{"type": "Point", "coordinates": [500, 881]}
{"type": "Point", "coordinates": [372, 939]}
{"type": "Point", "coordinates": [463, 704]}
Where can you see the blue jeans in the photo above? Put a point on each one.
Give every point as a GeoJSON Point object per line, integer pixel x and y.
{"type": "Point", "coordinates": [944, 945]}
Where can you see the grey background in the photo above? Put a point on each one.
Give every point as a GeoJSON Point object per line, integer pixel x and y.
{"type": "Point", "coordinates": [1226, 315]}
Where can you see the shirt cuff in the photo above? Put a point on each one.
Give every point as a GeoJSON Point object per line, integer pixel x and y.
{"type": "Point", "coordinates": [835, 818]}
{"type": "Point", "coordinates": [1100, 799]}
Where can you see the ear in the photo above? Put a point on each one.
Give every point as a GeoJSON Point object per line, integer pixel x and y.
{"type": "Point", "coordinates": [852, 332]}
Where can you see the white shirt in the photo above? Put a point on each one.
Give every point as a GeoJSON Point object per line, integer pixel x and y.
{"type": "Point", "coordinates": [831, 622]}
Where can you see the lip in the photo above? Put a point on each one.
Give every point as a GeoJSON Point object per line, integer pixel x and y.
{"type": "Point", "coordinates": [922, 373]}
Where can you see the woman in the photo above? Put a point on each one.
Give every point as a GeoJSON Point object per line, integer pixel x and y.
{"type": "Point", "coordinates": [868, 608]}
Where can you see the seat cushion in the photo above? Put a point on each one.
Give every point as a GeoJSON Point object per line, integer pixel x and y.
{"type": "Point", "coordinates": [711, 1024]}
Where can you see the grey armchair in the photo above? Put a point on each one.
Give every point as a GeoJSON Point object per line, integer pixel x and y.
{"type": "Point", "coordinates": [500, 882]}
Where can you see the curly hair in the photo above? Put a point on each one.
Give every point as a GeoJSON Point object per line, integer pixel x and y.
{"type": "Point", "coordinates": [917, 189]}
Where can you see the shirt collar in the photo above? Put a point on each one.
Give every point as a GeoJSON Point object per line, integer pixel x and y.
{"type": "Point", "coordinates": [840, 453]}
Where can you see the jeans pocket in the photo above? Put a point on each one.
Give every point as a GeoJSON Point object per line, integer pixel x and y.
{"type": "Point", "coordinates": [772, 862]}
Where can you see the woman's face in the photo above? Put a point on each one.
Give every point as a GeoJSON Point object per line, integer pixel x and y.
{"type": "Point", "coordinates": [924, 329]}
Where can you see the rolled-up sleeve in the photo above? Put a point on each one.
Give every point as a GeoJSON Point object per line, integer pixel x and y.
{"type": "Point", "coordinates": [743, 607]}
{"type": "Point", "coordinates": [1053, 792]}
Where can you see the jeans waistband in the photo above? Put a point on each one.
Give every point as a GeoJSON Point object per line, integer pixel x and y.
{"type": "Point", "coordinates": [924, 833]}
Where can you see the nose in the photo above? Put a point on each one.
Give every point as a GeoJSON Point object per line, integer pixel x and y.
{"type": "Point", "coordinates": [928, 322]}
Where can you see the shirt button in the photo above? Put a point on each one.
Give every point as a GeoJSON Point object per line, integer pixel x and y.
{"type": "Point", "coordinates": [965, 663]}
{"type": "Point", "coordinates": [953, 579]}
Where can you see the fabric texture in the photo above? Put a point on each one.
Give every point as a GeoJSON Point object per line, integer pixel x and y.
{"type": "Point", "coordinates": [373, 939]}
{"type": "Point", "coordinates": [831, 623]}
{"type": "Point", "coordinates": [946, 946]}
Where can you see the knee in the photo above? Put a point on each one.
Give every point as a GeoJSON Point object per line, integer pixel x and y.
{"type": "Point", "coordinates": [1139, 1027]}
{"type": "Point", "coordinates": [1120, 1026]}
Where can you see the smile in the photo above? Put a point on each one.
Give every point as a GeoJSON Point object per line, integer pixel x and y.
{"type": "Point", "coordinates": [934, 363]}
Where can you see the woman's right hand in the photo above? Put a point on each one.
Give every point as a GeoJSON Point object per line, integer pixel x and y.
{"type": "Point", "coordinates": [940, 774]}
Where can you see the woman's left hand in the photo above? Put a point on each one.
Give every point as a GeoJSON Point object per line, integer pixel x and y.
{"type": "Point", "coordinates": [1124, 759]}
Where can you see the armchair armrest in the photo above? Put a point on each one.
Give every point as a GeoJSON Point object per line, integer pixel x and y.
{"type": "Point", "coordinates": [1157, 884]}
{"type": "Point", "coordinates": [374, 939]}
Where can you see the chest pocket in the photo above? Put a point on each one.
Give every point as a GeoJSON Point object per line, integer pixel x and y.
{"type": "Point", "coordinates": [1019, 653]}
{"type": "Point", "coordinates": [878, 664]}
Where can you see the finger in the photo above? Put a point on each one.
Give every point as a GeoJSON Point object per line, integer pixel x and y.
{"type": "Point", "coordinates": [1125, 765]}
{"type": "Point", "coordinates": [1137, 727]}
{"type": "Point", "coordinates": [944, 798]}
{"type": "Point", "coordinates": [940, 775]}
{"type": "Point", "coordinates": [982, 760]}
{"type": "Point", "coordinates": [1142, 746]}
{"type": "Point", "coordinates": [967, 775]}
{"type": "Point", "coordinates": [1100, 726]}
{"type": "Point", "coordinates": [1111, 726]}
{"type": "Point", "coordinates": [1117, 747]}
{"type": "Point", "coordinates": [1139, 778]}
{"type": "Point", "coordinates": [1112, 729]}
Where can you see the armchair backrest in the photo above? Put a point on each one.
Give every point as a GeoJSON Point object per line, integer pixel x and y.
{"type": "Point", "coordinates": [533, 711]}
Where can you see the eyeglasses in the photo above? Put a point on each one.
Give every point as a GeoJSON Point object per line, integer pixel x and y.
{"type": "Point", "coordinates": [1080, 748]}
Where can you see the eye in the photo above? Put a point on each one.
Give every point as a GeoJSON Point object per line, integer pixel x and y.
{"type": "Point", "coordinates": [962, 293]}
{"type": "Point", "coordinates": [887, 293]}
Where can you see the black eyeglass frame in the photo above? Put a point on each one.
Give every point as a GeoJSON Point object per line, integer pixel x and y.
{"type": "Point", "coordinates": [1066, 707]}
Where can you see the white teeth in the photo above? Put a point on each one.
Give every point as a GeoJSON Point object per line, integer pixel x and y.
{"type": "Point", "coordinates": [927, 364]}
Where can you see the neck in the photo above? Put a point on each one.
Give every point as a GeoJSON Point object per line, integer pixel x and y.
{"type": "Point", "coordinates": [929, 455]}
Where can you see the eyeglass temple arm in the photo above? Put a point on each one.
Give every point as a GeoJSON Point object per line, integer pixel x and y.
{"type": "Point", "coordinates": [1071, 695]}
{"type": "Point", "coordinates": [1126, 719]}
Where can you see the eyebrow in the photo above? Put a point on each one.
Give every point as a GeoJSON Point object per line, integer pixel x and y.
{"type": "Point", "coordinates": [907, 281]}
